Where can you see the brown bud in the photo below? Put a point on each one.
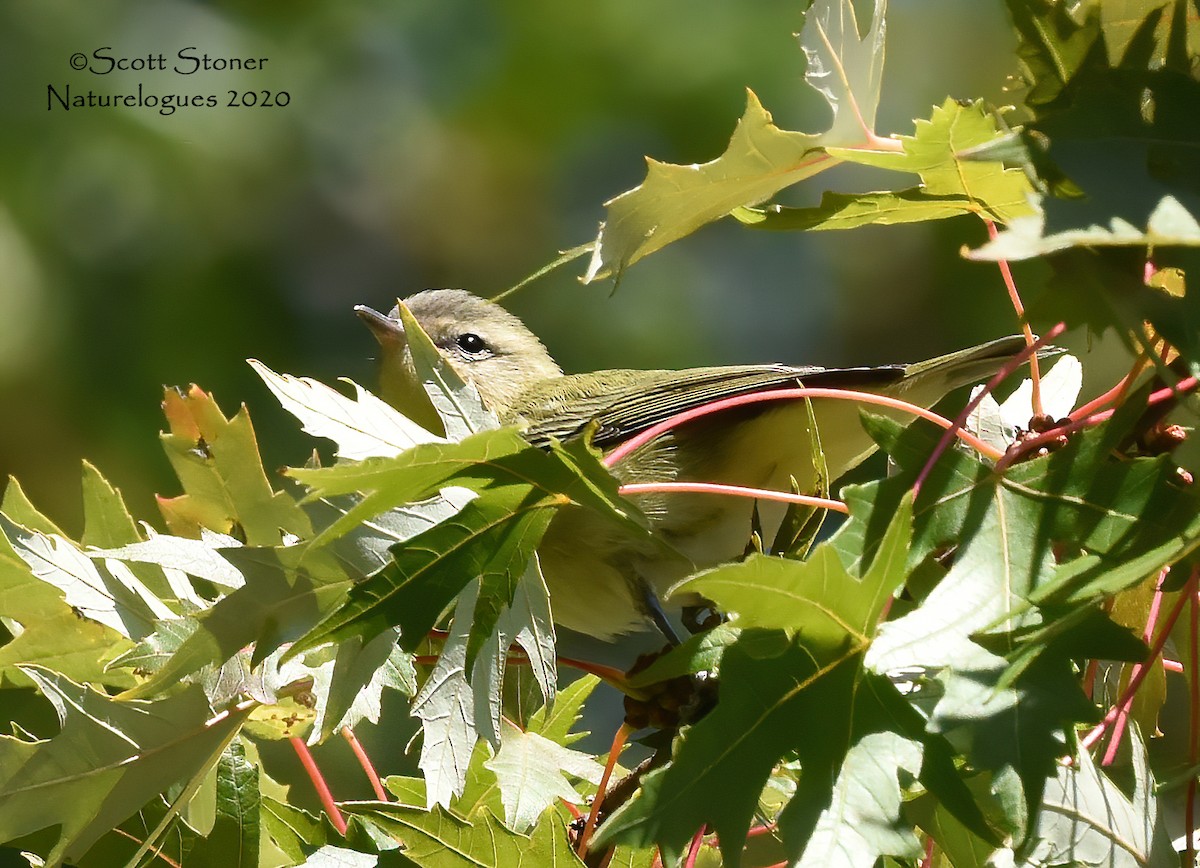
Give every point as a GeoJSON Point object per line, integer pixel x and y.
{"type": "Point", "coordinates": [661, 718]}
{"type": "Point", "coordinates": [1163, 438]}
{"type": "Point", "coordinates": [1041, 423]}
{"type": "Point", "coordinates": [637, 713]}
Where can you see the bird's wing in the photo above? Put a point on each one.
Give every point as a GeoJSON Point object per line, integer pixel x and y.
{"type": "Point", "coordinates": [628, 402]}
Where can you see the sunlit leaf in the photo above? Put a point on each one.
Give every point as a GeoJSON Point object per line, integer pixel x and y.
{"type": "Point", "coordinates": [863, 821]}
{"type": "Point", "coordinates": [953, 180]}
{"type": "Point", "coordinates": [769, 686]}
{"type": "Point", "coordinates": [109, 759]}
{"type": "Point", "coordinates": [217, 461]}
{"type": "Point", "coordinates": [199, 558]}
{"type": "Point", "coordinates": [446, 707]}
{"type": "Point", "coordinates": [362, 427]}
{"type": "Point", "coordinates": [1086, 819]}
{"type": "Point", "coordinates": [349, 686]}
{"type": "Point", "coordinates": [532, 773]}
{"type": "Point", "coordinates": [107, 593]}
{"type": "Point", "coordinates": [761, 159]}
{"type": "Point", "coordinates": [437, 839]}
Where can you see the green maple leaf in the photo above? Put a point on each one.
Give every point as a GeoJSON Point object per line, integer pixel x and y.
{"type": "Point", "coordinates": [863, 821]}
{"type": "Point", "coordinates": [1038, 549]}
{"type": "Point", "coordinates": [51, 634]}
{"type": "Point", "coordinates": [287, 590]}
{"type": "Point", "coordinates": [78, 648]}
{"type": "Point", "coordinates": [438, 839]}
{"type": "Point", "coordinates": [461, 699]}
{"type": "Point", "coordinates": [348, 686]}
{"type": "Point", "coordinates": [109, 759]}
{"type": "Point", "coordinates": [770, 686]}
{"type": "Point", "coordinates": [531, 772]}
{"type": "Point", "coordinates": [499, 459]}
{"type": "Point", "coordinates": [1056, 41]}
{"type": "Point", "coordinates": [954, 180]}
{"type": "Point", "coordinates": [106, 520]}
{"type": "Point", "coordinates": [17, 506]}
{"type": "Point", "coordinates": [362, 427]}
{"type": "Point", "coordinates": [295, 832]}
{"type": "Point", "coordinates": [761, 159]}
{"type": "Point", "coordinates": [489, 540]}
{"type": "Point", "coordinates": [1149, 37]}
{"type": "Point", "coordinates": [107, 593]}
{"type": "Point", "coordinates": [1125, 134]}
{"type": "Point", "coordinates": [234, 837]}
{"type": "Point", "coordinates": [1087, 819]}
{"type": "Point", "coordinates": [217, 461]}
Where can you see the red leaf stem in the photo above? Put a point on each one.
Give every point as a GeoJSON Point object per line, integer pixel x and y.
{"type": "Point", "coordinates": [733, 491]}
{"type": "Point", "coordinates": [1035, 376]}
{"type": "Point", "coordinates": [318, 782]}
{"type": "Point", "coordinates": [365, 761]}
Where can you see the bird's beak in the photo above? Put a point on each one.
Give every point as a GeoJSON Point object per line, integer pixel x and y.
{"type": "Point", "coordinates": [385, 329]}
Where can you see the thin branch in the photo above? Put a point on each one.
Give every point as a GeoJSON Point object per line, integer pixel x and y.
{"type": "Point", "coordinates": [1114, 395]}
{"type": "Point", "coordinates": [927, 862]}
{"type": "Point", "coordinates": [1118, 729]}
{"type": "Point", "coordinates": [1018, 450]}
{"type": "Point", "coordinates": [635, 443]}
{"type": "Point", "coordinates": [155, 851]}
{"type": "Point", "coordinates": [618, 743]}
{"type": "Point", "coordinates": [1089, 677]}
{"type": "Point", "coordinates": [733, 491]}
{"type": "Point", "coordinates": [1140, 671]}
{"type": "Point", "coordinates": [1030, 352]}
{"type": "Point", "coordinates": [1035, 377]}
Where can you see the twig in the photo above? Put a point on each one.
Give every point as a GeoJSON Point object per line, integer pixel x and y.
{"type": "Point", "coordinates": [365, 761]}
{"type": "Point", "coordinates": [618, 743]}
{"type": "Point", "coordinates": [927, 862]}
{"type": "Point", "coordinates": [1017, 450]}
{"type": "Point", "coordinates": [1030, 352]}
{"type": "Point", "coordinates": [155, 851]}
{"type": "Point", "coordinates": [318, 782]}
{"type": "Point", "coordinates": [1113, 395]}
{"type": "Point", "coordinates": [1147, 635]}
{"type": "Point", "coordinates": [1139, 672]}
{"type": "Point", "coordinates": [732, 490]}
{"type": "Point", "coordinates": [635, 443]}
{"type": "Point", "coordinates": [1035, 377]}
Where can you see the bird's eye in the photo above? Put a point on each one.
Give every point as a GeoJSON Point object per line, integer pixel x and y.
{"type": "Point", "coordinates": [471, 343]}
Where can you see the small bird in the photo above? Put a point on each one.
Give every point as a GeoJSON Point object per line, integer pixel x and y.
{"type": "Point", "coordinates": [603, 582]}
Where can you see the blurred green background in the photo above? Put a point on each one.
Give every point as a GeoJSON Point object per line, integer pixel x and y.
{"type": "Point", "coordinates": [425, 144]}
